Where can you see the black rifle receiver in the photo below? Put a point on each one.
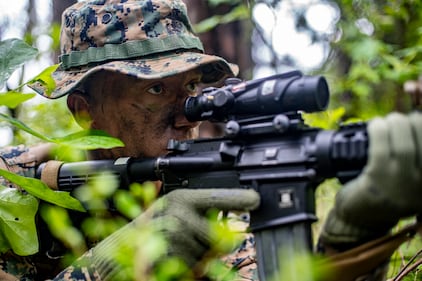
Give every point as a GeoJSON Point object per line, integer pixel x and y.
{"type": "Point", "coordinates": [267, 147]}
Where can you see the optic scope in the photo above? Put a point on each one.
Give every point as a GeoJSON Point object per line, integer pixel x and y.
{"type": "Point", "coordinates": [282, 93]}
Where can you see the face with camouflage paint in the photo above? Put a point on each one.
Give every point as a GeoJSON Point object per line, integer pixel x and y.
{"type": "Point", "coordinates": [144, 114]}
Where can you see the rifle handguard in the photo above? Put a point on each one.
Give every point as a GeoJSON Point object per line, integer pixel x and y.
{"type": "Point", "coordinates": [50, 173]}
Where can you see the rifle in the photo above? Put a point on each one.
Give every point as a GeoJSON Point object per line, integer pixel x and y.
{"type": "Point", "coordinates": [267, 147]}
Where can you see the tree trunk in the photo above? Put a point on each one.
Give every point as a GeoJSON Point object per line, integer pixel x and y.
{"type": "Point", "coordinates": [58, 7]}
{"type": "Point", "coordinates": [230, 41]}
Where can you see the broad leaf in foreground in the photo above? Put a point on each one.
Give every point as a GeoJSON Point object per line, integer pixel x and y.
{"type": "Point", "coordinates": [17, 221]}
{"type": "Point", "coordinates": [40, 190]}
{"type": "Point", "coordinates": [13, 53]}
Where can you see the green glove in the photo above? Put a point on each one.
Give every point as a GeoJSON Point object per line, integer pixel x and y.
{"type": "Point", "coordinates": [389, 187]}
{"type": "Point", "coordinates": [180, 216]}
{"type": "Point", "coordinates": [189, 236]}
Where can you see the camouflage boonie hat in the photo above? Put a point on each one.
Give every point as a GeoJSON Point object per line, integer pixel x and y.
{"type": "Point", "coordinates": [146, 39]}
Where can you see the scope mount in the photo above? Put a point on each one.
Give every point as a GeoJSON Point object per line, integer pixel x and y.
{"type": "Point", "coordinates": [270, 124]}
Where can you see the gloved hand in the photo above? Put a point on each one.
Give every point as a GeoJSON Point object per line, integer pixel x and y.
{"type": "Point", "coordinates": [180, 215]}
{"type": "Point", "coordinates": [189, 237]}
{"type": "Point", "coordinates": [389, 187]}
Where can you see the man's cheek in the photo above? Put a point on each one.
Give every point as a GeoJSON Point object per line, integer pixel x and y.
{"type": "Point", "coordinates": [194, 133]}
{"type": "Point", "coordinates": [153, 107]}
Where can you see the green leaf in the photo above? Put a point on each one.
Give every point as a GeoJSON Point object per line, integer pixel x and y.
{"type": "Point", "coordinates": [86, 139]}
{"type": "Point", "coordinates": [328, 119]}
{"type": "Point", "coordinates": [215, 3]}
{"type": "Point", "coordinates": [17, 221]}
{"type": "Point", "coordinates": [55, 35]}
{"type": "Point", "coordinates": [127, 204]}
{"type": "Point", "coordinates": [365, 72]}
{"type": "Point", "coordinates": [13, 99]}
{"type": "Point", "coordinates": [18, 124]}
{"type": "Point", "coordinates": [361, 89]}
{"type": "Point", "coordinates": [365, 49]}
{"type": "Point", "coordinates": [238, 13]}
{"type": "Point", "coordinates": [4, 244]}
{"type": "Point", "coordinates": [90, 139]}
{"type": "Point", "coordinates": [40, 190]}
{"type": "Point", "coordinates": [45, 79]}
{"type": "Point", "coordinates": [60, 225]}
{"type": "Point", "coordinates": [13, 53]}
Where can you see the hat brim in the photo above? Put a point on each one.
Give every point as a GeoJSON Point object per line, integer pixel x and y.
{"type": "Point", "coordinates": [213, 69]}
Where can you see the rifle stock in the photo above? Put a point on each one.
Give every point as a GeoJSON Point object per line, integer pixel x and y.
{"type": "Point", "coordinates": [266, 149]}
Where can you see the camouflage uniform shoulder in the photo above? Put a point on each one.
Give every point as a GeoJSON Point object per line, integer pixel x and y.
{"type": "Point", "coordinates": [14, 267]}
{"type": "Point", "coordinates": [18, 160]}
{"type": "Point", "coordinates": [22, 160]}
{"type": "Point", "coordinates": [82, 269]}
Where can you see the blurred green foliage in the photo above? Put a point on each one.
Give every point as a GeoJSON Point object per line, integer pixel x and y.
{"type": "Point", "coordinates": [240, 12]}
{"type": "Point", "coordinates": [377, 49]}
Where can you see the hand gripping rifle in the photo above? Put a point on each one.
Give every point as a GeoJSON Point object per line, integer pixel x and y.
{"type": "Point", "coordinates": [267, 147]}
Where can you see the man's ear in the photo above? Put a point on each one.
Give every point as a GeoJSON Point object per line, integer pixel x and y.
{"type": "Point", "coordinates": [78, 104]}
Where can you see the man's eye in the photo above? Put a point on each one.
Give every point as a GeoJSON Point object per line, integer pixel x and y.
{"type": "Point", "coordinates": [192, 87]}
{"type": "Point", "coordinates": [155, 90]}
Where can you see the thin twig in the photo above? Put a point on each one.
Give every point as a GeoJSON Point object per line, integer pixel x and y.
{"type": "Point", "coordinates": [408, 268]}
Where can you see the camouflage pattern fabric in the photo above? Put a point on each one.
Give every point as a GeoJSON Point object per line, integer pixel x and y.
{"type": "Point", "coordinates": [17, 160]}
{"type": "Point", "coordinates": [147, 39]}
{"type": "Point", "coordinates": [242, 261]}
{"type": "Point", "coordinates": [80, 270]}
{"type": "Point", "coordinates": [22, 268]}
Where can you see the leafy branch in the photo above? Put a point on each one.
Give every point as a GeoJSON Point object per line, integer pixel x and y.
{"type": "Point", "coordinates": [18, 206]}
